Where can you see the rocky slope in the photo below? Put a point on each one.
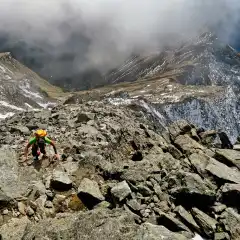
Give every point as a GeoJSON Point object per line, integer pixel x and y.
{"type": "Point", "coordinates": [119, 177]}
{"type": "Point", "coordinates": [199, 65]}
{"type": "Point", "coordinates": [21, 89]}
{"type": "Point", "coordinates": [198, 82]}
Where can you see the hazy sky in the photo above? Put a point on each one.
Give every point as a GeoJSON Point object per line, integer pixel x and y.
{"type": "Point", "coordinates": [103, 33]}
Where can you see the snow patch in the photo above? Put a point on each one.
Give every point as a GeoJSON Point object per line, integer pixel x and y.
{"type": "Point", "coordinates": [30, 94]}
{"type": "Point", "coordinates": [119, 101]}
{"type": "Point", "coordinates": [5, 104]}
{"type": "Point", "coordinates": [3, 116]}
{"type": "Point", "coordinates": [3, 69]}
{"type": "Point", "coordinates": [28, 105]}
{"type": "Point", "coordinates": [197, 237]}
{"type": "Point", "coordinates": [46, 105]}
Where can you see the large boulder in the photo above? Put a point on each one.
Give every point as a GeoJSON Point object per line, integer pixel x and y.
{"type": "Point", "coordinates": [199, 192]}
{"type": "Point", "coordinates": [223, 172]}
{"type": "Point", "coordinates": [89, 193]}
{"type": "Point", "coordinates": [13, 183]}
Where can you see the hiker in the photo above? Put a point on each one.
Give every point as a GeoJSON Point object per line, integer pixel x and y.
{"type": "Point", "coordinates": [39, 141]}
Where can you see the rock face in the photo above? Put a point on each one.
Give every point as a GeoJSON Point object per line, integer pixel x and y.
{"type": "Point", "coordinates": [118, 177]}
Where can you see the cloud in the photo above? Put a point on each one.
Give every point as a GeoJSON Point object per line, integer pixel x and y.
{"type": "Point", "coordinates": [85, 34]}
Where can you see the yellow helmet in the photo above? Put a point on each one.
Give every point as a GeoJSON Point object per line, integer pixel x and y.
{"type": "Point", "coordinates": [41, 133]}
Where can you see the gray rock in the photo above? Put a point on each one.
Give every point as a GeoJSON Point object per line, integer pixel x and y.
{"type": "Point", "coordinates": [14, 229]}
{"type": "Point", "coordinates": [198, 192]}
{"type": "Point", "coordinates": [207, 223]}
{"type": "Point", "coordinates": [70, 167]}
{"type": "Point", "coordinates": [149, 231]}
{"type": "Point", "coordinates": [89, 193]}
{"type": "Point", "coordinates": [94, 225]}
{"type": "Point", "coordinates": [5, 212]}
{"type": "Point", "coordinates": [145, 191]}
{"type": "Point", "coordinates": [170, 221]}
{"type": "Point", "coordinates": [49, 194]}
{"type": "Point", "coordinates": [121, 191]}
{"type": "Point", "coordinates": [229, 157]}
{"type": "Point", "coordinates": [48, 204]}
{"type": "Point", "coordinates": [174, 151]}
{"type": "Point", "coordinates": [200, 162]}
{"type": "Point", "coordinates": [29, 211]}
{"type": "Point", "coordinates": [223, 172]}
{"type": "Point", "coordinates": [221, 236]}
{"type": "Point", "coordinates": [21, 129]}
{"type": "Point", "coordinates": [61, 181]}
{"type": "Point", "coordinates": [231, 220]}
{"type": "Point", "coordinates": [187, 218]}
{"type": "Point", "coordinates": [178, 128]}
{"type": "Point", "coordinates": [134, 205]}
{"type": "Point", "coordinates": [187, 145]}
{"type": "Point", "coordinates": [218, 208]}
{"type": "Point", "coordinates": [22, 208]}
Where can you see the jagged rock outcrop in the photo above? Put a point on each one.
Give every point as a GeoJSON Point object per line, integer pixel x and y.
{"type": "Point", "coordinates": [118, 178]}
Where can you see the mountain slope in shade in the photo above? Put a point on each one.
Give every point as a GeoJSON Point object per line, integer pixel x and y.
{"type": "Point", "coordinates": [201, 61]}
{"type": "Point", "coordinates": [21, 89]}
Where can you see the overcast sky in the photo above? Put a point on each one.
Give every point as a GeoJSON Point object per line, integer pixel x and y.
{"type": "Point", "coordinates": [103, 33]}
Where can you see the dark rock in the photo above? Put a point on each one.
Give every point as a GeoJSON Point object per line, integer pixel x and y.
{"type": "Point", "coordinates": [137, 156]}
{"type": "Point", "coordinates": [230, 194]}
{"type": "Point", "coordinates": [174, 151]}
{"type": "Point", "coordinates": [170, 221]}
{"type": "Point", "coordinates": [208, 224]}
{"type": "Point", "coordinates": [226, 143]}
{"type": "Point", "coordinates": [4, 199]}
{"type": "Point", "coordinates": [178, 128]}
{"type": "Point", "coordinates": [84, 117]}
{"type": "Point", "coordinates": [145, 191]}
{"type": "Point", "coordinates": [89, 193]}
{"type": "Point", "coordinates": [61, 181]}
{"type": "Point", "coordinates": [199, 192]}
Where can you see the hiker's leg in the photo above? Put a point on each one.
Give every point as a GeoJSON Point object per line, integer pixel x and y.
{"type": "Point", "coordinates": [42, 148]}
{"type": "Point", "coordinates": [34, 150]}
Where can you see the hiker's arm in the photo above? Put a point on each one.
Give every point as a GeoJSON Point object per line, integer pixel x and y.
{"type": "Point", "coordinates": [26, 150]}
{"type": "Point", "coordinates": [54, 147]}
